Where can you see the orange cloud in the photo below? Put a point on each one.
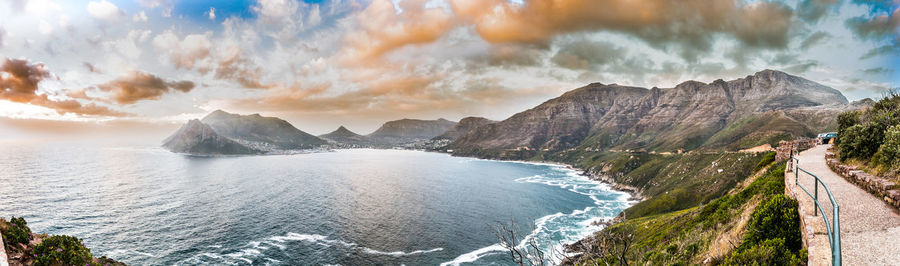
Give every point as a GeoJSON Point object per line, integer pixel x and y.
{"type": "Point", "coordinates": [384, 29]}
{"type": "Point", "coordinates": [138, 86]}
{"type": "Point", "coordinates": [19, 81]}
{"type": "Point", "coordinates": [537, 21]}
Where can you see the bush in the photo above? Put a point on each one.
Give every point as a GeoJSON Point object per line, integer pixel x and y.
{"type": "Point", "coordinates": [846, 120]}
{"type": "Point", "coordinates": [16, 231]}
{"type": "Point", "coordinates": [888, 154]}
{"type": "Point", "coordinates": [767, 252]}
{"type": "Point", "coordinates": [860, 142]}
{"type": "Point", "coordinates": [862, 133]}
{"type": "Point", "coordinates": [776, 218]}
{"type": "Point", "coordinates": [62, 250]}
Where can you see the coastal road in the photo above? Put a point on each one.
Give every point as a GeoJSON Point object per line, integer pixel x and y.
{"type": "Point", "coordinates": [870, 228]}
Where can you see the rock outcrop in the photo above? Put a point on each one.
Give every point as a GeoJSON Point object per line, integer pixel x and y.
{"type": "Point", "coordinates": [408, 130]}
{"type": "Point", "coordinates": [464, 126]}
{"type": "Point", "coordinates": [200, 139]}
{"type": "Point", "coordinates": [257, 130]}
{"type": "Point", "coordinates": [758, 109]}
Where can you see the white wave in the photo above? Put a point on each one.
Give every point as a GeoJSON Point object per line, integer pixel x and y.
{"type": "Point", "coordinates": [475, 255]}
{"type": "Point", "coordinates": [256, 249]}
{"type": "Point", "coordinates": [399, 253]}
{"type": "Point", "coordinates": [125, 251]}
{"type": "Point", "coordinates": [553, 232]}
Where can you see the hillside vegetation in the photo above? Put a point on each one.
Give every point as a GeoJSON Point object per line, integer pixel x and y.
{"type": "Point", "coordinates": [752, 224]}
{"type": "Point", "coordinates": [870, 138]}
{"type": "Point", "coordinates": [24, 247]}
{"type": "Point", "coordinates": [674, 181]}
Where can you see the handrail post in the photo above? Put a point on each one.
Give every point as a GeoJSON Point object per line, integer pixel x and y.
{"type": "Point", "coordinates": [816, 191]}
{"type": "Point", "coordinates": [836, 231]}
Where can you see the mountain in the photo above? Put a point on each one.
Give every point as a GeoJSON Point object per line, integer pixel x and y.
{"type": "Point", "coordinates": [344, 136]}
{"type": "Point", "coordinates": [761, 108]}
{"type": "Point", "coordinates": [194, 137]}
{"type": "Point", "coordinates": [464, 126]}
{"type": "Point", "coordinates": [255, 129]}
{"type": "Point", "coordinates": [225, 133]}
{"type": "Point", "coordinates": [409, 130]}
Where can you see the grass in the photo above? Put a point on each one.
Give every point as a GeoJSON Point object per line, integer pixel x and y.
{"type": "Point", "coordinates": [705, 234]}
{"type": "Point", "coordinates": [670, 182]}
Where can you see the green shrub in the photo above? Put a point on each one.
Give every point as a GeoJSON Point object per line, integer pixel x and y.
{"type": "Point", "coordinates": [767, 252]}
{"type": "Point", "coordinates": [888, 154]}
{"type": "Point", "coordinates": [776, 218]}
{"type": "Point", "coordinates": [862, 133]}
{"type": "Point", "coordinates": [766, 160]}
{"type": "Point", "coordinates": [16, 231]}
{"type": "Point", "coordinates": [846, 120]}
{"type": "Point", "coordinates": [62, 250]}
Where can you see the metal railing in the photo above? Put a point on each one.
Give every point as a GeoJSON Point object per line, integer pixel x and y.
{"type": "Point", "coordinates": [833, 228]}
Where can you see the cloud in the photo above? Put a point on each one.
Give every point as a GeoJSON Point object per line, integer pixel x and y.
{"type": "Point", "coordinates": [814, 39]}
{"type": "Point", "coordinates": [273, 11]}
{"type": "Point", "coordinates": [801, 67]}
{"type": "Point", "coordinates": [384, 29]}
{"type": "Point", "coordinates": [193, 51]}
{"type": "Point", "coordinates": [19, 81]}
{"type": "Point", "coordinates": [881, 50]}
{"type": "Point", "coordinates": [138, 86]}
{"type": "Point", "coordinates": [876, 27]}
{"type": "Point", "coordinates": [139, 17]}
{"type": "Point", "coordinates": [587, 54]}
{"type": "Point", "coordinates": [90, 67]}
{"type": "Point", "coordinates": [234, 66]}
{"type": "Point", "coordinates": [814, 10]}
{"type": "Point", "coordinates": [211, 13]}
{"type": "Point", "coordinates": [690, 25]}
{"type": "Point", "coordinates": [878, 71]}
{"type": "Point", "coordinates": [104, 10]}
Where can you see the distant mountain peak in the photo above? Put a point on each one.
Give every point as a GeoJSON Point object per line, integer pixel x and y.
{"type": "Point", "coordinates": [344, 135]}
{"type": "Point", "coordinates": [221, 132]}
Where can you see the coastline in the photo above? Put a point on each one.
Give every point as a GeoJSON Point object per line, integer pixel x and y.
{"type": "Point", "coordinates": [634, 197]}
{"type": "Point", "coordinates": [635, 194]}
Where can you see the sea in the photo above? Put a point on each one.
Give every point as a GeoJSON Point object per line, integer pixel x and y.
{"type": "Point", "coordinates": [143, 205]}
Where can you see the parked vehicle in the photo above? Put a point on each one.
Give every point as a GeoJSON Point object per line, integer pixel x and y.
{"type": "Point", "coordinates": [826, 138]}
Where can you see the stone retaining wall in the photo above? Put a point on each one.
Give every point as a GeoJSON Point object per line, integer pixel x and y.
{"type": "Point", "coordinates": [785, 148]}
{"type": "Point", "coordinates": [878, 186]}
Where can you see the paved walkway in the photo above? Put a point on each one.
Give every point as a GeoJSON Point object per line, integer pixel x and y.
{"type": "Point", "coordinates": [870, 228]}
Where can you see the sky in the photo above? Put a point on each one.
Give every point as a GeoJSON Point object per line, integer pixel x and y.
{"type": "Point", "coordinates": [91, 66]}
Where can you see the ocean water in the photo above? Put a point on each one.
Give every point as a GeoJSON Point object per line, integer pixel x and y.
{"type": "Point", "coordinates": [145, 206]}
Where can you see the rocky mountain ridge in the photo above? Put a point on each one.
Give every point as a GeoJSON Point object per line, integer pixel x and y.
{"type": "Point", "coordinates": [408, 130]}
{"type": "Point", "coordinates": [221, 132]}
{"type": "Point", "coordinates": [723, 114]}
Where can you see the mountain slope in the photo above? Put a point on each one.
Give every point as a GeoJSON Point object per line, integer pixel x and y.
{"type": "Point", "coordinates": [464, 126]}
{"type": "Point", "coordinates": [194, 137]}
{"type": "Point", "coordinates": [259, 130]}
{"type": "Point", "coordinates": [687, 116]}
{"type": "Point", "coordinates": [409, 130]}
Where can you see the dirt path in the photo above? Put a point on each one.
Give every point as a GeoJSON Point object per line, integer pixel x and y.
{"type": "Point", "coordinates": [870, 229]}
